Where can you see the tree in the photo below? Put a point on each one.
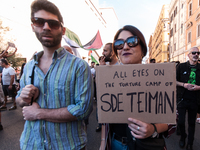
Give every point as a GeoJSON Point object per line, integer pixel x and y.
{"type": "Point", "coordinates": [15, 60]}
{"type": "Point", "coordinates": [3, 41]}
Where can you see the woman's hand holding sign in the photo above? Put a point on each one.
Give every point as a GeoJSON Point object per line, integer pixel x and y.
{"type": "Point", "coordinates": [139, 129]}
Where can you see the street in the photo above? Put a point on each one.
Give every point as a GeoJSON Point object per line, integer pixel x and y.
{"type": "Point", "coordinates": [13, 123]}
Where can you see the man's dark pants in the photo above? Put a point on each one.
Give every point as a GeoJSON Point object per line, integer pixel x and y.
{"type": "Point", "coordinates": [191, 106]}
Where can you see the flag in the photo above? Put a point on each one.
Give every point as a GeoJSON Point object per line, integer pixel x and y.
{"type": "Point", "coordinates": [73, 40]}
{"type": "Point", "coordinates": [95, 43]}
{"type": "Point", "coordinates": [92, 57]}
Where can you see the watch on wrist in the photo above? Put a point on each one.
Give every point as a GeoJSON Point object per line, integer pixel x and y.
{"type": "Point", "coordinates": [155, 134]}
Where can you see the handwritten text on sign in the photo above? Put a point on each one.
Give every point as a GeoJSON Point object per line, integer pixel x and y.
{"type": "Point", "coordinates": [144, 92]}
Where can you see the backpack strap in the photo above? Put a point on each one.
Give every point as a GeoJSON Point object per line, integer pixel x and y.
{"type": "Point", "coordinates": [32, 80]}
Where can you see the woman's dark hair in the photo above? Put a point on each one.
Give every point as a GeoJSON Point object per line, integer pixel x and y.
{"type": "Point", "coordinates": [4, 61]}
{"type": "Point", "coordinates": [135, 32]}
{"type": "Point", "coordinates": [38, 5]}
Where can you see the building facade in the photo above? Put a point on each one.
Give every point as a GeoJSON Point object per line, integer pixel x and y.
{"type": "Point", "coordinates": [177, 14]}
{"type": "Point", "coordinates": [158, 44]}
{"type": "Point", "coordinates": [192, 25]}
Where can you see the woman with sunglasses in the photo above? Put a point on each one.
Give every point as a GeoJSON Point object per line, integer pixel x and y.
{"type": "Point", "coordinates": [130, 46]}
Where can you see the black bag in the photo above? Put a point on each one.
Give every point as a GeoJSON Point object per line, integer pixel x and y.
{"type": "Point", "coordinates": [144, 144]}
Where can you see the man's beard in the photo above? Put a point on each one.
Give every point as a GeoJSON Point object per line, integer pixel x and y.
{"type": "Point", "coordinates": [108, 58]}
{"type": "Point", "coordinates": [49, 43]}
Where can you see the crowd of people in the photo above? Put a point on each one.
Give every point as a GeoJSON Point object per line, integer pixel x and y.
{"type": "Point", "coordinates": [7, 81]}
{"type": "Point", "coordinates": [57, 90]}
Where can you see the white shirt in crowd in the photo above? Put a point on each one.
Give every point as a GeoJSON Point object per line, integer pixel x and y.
{"type": "Point", "coordinates": [6, 75]}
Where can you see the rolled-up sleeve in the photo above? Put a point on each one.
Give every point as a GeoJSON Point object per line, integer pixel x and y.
{"type": "Point", "coordinates": [83, 93]}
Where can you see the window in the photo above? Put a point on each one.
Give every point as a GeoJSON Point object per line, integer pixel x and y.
{"type": "Point", "coordinates": [181, 28]}
{"type": "Point", "coordinates": [171, 17]}
{"type": "Point", "coordinates": [174, 46]}
{"type": "Point", "coordinates": [171, 32]}
{"type": "Point", "coordinates": [175, 12]}
{"type": "Point", "coordinates": [198, 30]}
{"type": "Point", "coordinates": [190, 9]}
{"type": "Point", "coordinates": [189, 37]}
{"type": "Point", "coordinates": [175, 28]}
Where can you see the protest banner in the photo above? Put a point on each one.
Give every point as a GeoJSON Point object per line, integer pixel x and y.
{"type": "Point", "coordinates": [142, 91]}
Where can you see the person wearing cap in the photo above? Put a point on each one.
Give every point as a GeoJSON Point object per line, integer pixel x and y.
{"type": "Point", "coordinates": [130, 46]}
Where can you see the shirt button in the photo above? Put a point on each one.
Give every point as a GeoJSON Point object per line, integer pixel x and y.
{"type": "Point", "coordinates": [44, 141]}
{"type": "Point", "coordinates": [44, 94]}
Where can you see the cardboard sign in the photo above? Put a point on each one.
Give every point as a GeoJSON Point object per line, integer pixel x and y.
{"type": "Point", "coordinates": [142, 91]}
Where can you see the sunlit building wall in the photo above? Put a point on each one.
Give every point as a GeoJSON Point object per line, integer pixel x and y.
{"type": "Point", "coordinates": [192, 25]}
{"type": "Point", "coordinates": [160, 37]}
{"type": "Point", "coordinates": [177, 15]}
{"type": "Point", "coordinates": [150, 49]}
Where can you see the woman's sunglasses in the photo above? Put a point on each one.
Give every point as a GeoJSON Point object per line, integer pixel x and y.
{"type": "Point", "coordinates": [131, 41]}
{"type": "Point", "coordinates": [39, 22]}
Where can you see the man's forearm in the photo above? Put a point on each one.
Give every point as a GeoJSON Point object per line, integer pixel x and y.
{"type": "Point", "coordinates": [56, 115]}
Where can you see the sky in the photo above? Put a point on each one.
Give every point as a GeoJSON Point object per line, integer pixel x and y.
{"type": "Point", "coordinates": [142, 14]}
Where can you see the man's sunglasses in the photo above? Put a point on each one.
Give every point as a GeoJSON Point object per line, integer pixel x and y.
{"type": "Point", "coordinates": [131, 41]}
{"type": "Point", "coordinates": [39, 22]}
{"type": "Point", "coordinates": [194, 53]}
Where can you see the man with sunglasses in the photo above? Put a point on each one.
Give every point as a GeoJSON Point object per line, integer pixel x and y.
{"type": "Point", "coordinates": [108, 56]}
{"type": "Point", "coordinates": [60, 98]}
{"type": "Point", "coordinates": [188, 95]}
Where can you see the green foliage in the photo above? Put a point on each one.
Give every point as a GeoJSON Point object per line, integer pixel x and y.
{"type": "Point", "coordinates": [16, 60]}
{"type": "Point", "coordinates": [3, 41]}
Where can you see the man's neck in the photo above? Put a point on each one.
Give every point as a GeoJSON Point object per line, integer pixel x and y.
{"type": "Point", "coordinates": [49, 51]}
{"type": "Point", "coordinates": [114, 61]}
{"type": "Point", "coordinates": [7, 66]}
{"type": "Point", "coordinates": [192, 62]}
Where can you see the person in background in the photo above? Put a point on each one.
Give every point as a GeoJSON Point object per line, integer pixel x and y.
{"type": "Point", "coordinates": [152, 60]}
{"type": "Point", "coordinates": [130, 46]}
{"type": "Point", "coordinates": [20, 75]}
{"type": "Point", "coordinates": [1, 102]}
{"type": "Point", "coordinates": [93, 72]}
{"type": "Point", "coordinates": [8, 80]}
{"type": "Point", "coordinates": [55, 88]}
{"type": "Point", "coordinates": [68, 49]}
{"type": "Point", "coordinates": [4, 54]}
{"type": "Point", "coordinates": [188, 95]}
{"type": "Point", "coordinates": [198, 115]}
{"type": "Point", "coordinates": [198, 111]}
{"type": "Point", "coordinates": [108, 56]}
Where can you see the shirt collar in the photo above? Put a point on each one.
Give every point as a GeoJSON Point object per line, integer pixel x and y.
{"type": "Point", "coordinates": [59, 53]}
